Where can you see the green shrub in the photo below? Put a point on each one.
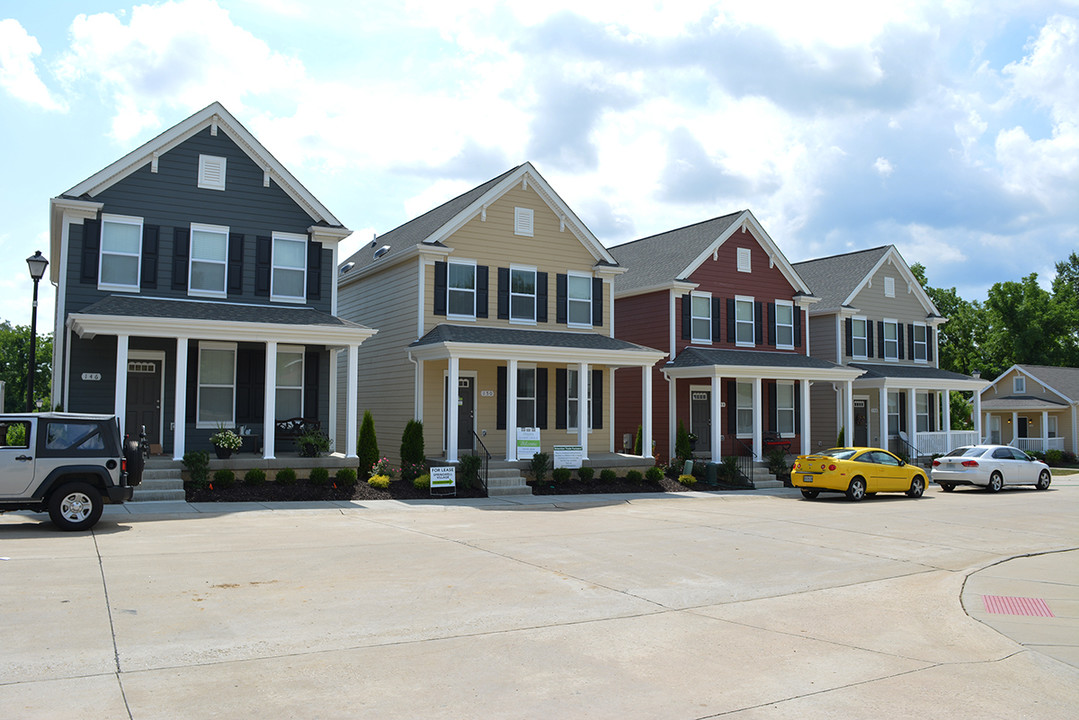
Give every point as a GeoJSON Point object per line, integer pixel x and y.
{"type": "Point", "coordinates": [538, 466]}
{"type": "Point", "coordinates": [1054, 457]}
{"type": "Point", "coordinates": [687, 479]}
{"type": "Point", "coordinates": [634, 476]}
{"type": "Point", "coordinates": [681, 443]}
{"type": "Point", "coordinates": [777, 462]}
{"type": "Point", "coordinates": [637, 441]}
{"type": "Point", "coordinates": [367, 445]}
{"type": "Point", "coordinates": [286, 476]}
{"type": "Point", "coordinates": [728, 470]}
{"type": "Point", "coordinates": [411, 471]}
{"type": "Point", "coordinates": [379, 481]}
{"type": "Point", "coordinates": [412, 445]}
{"type": "Point", "coordinates": [653, 474]}
{"type": "Point", "coordinates": [561, 475]}
{"type": "Point", "coordinates": [839, 439]}
{"type": "Point", "coordinates": [312, 442]}
{"type": "Point", "coordinates": [607, 475]}
{"type": "Point", "coordinates": [197, 464]}
{"type": "Point", "coordinates": [585, 473]}
{"type": "Point", "coordinates": [319, 476]}
{"type": "Point", "coordinates": [254, 476]}
{"type": "Point", "coordinates": [422, 482]}
{"type": "Point", "coordinates": [470, 470]}
{"type": "Point", "coordinates": [224, 478]}
{"type": "Point", "coordinates": [346, 477]}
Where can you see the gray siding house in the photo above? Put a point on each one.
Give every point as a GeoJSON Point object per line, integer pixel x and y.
{"type": "Point", "coordinates": [195, 290]}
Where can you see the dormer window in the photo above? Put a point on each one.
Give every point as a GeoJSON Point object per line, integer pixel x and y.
{"type": "Point", "coordinates": [212, 172]}
{"type": "Point", "coordinates": [1019, 385]}
{"type": "Point", "coordinates": [523, 221]}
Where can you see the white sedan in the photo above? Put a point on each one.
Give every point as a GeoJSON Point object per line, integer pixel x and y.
{"type": "Point", "coordinates": [989, 466]}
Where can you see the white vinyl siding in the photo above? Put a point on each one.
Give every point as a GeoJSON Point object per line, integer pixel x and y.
{"type": "Point", "coordinates": [289, 279]}
{"type": "Point", "coordinates": [579, 300]}
{"type": "Point", "coordinates": [700, 308]}
{"type": "Point", "coordinates": [121, 249]}
{"type": "Point", "coordinates": [461, 290]}
{"type": "Point", "coordinates": [209, 260]}
{"type": "Point", "coordinates": [290, 372]}
{"type": "Point", "coordinates": [217, 385]}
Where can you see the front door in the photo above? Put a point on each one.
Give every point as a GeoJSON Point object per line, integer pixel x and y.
{"type": "Point", "coordinates": [861, 423]}
{"type": "Point", "coordinates": [700, 418]}
{"type": "Point", "coordinates": [466, 411]}
{"type": "Point", "coordinates": [144, 399]}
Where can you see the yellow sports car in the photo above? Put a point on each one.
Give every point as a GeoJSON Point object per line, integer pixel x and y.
{"type": "Point", "coordinates": [857, 472]}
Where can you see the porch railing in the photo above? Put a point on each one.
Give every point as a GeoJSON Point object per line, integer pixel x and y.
{"type": "Point", "coordinates": [1032, 444]}
{"type": "Point", "coordinates": [940, 443]}
{"type": "Point", "coordinates": [905, 448]}
{"type": "Point", "coordinates": [744, 453]}
{"type": "Point", "coordinates": [486, 460]}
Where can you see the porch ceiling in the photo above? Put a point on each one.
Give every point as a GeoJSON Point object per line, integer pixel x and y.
{"type": "Point", "coordinates": [914, 377]}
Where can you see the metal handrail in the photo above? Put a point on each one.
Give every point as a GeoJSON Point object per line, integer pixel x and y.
{"type": "Point", "coordinates": [486, 460]}
{"type": "Point", "coordinates": [745, 459]}
{"type": "Point", "coordinates": [913, 452]}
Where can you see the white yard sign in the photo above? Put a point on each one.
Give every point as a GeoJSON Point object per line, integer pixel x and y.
{"type": "Point", "coordinates": [528, 442]}
{"type": "Point", "coordinates": [568, 456]}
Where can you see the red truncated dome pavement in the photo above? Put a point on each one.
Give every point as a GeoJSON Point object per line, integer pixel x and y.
{"type": "Point", "coordinates": [1004, 605]}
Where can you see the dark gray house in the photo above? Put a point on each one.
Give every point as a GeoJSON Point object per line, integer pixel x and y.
{"type": "Point", "coordinates": [195, 289]}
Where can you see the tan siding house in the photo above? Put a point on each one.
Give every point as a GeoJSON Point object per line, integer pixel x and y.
{"type": "Point", "coordinates": [1033, 408]}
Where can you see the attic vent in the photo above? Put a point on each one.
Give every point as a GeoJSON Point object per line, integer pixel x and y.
{"type": "Point", "coordinates": [889, 287]}
{"type": "Point", "coordinates": [211, 172]}
{"type": "Point", "coordinates": [522, 221]}
{"type": "Point", "coordinates": [381, 251]}
{"type": "Point", "coordinates": [744, 263]}
{"type": "Point", "coordinates": [346, 267]}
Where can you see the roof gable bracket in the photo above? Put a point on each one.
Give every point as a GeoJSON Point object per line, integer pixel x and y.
{"type": "Point", "coordinates": [153, 162]}
{"type": "Point", "coordinates": [524, 181]}
{"type": "Point", "coordinates": [771, 261]}
{"type": "Point", "coordinates": [483, 214]}
{"type": "Point", "coordinates": [213, 126]}
{"type": "Point", "coordinates": [561, 223]}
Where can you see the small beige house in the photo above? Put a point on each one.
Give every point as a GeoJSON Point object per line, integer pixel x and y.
{"type": "Point", "coordinates": [1033, 407]}
{"type": "Point", "coordinates": [496, 318]}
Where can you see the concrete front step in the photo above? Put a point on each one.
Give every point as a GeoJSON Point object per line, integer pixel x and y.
{"type": "Point", "coordinates": [159, 484]}
{"type": "Point", "coordinates": [506, 481]}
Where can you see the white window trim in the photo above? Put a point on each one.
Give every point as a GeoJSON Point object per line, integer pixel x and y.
{"type": "Point", "coordinates": [571, 419]}
{"type": "Point", "coordinates": [524, 222]}
{"type": "Point", "coordinates": [924, 343]}
{"type": "Point", "coordinates": [853, 337]}
{"type": "Point", "coordinates": [884, 334]}
{"type": "Point", "coordinates": [475, 271]}
{"type": "Point", "coordinates": [217, 230]}
{"type": "Point", "coordinates": [745, 260]}
{"type": "Point", "coordinates": [789, 304]}
{"type": "Point", "coordinates": [889, 287]}
{"type": "Point", "coordinates": [524, 367]}
{"type": "Point", "coordinates": [122, 220]}
{"type": "Point", "coordinates": [589, 277]}
{"type": "Point", "coordinates": [212, 345]}
{"type": "Point", "coordinates": [302, 352]}
{"type": "Point", "coordinates": [534, 295]}
{"type": "Point", "coordinates": [752, 321]}
{"type": "Point", "coordinates": [290, 237]}
{"type": "Point", "coordinates": [738, 408]}
{"type": "Point", "coordinates": [693, 335]}
{"type": "Point", "coordinates": [206, 181]}
{"type": "Point", "coordinates": [1019, 385]}
{"type": "Point", "coordinates": [782, 409]}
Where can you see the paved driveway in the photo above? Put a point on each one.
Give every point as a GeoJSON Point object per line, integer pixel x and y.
{"type": "Point", "coordinates": [691, 606]}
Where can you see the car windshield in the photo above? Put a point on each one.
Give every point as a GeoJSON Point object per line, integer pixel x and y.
{"type": "Point", "coordinates": [840, 453]}
{"type": "Point", "coordinates": [966, 452]}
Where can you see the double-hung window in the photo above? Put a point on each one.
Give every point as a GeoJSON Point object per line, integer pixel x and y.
{"type": "Point", "coordinates": [700, 310]}
{"type": "Point", "coordinates": [289, 402]}
{"type": "Point", "coordinates": [1052, 426]}
{"type": "Point", "coordinates": [523, 294]}
{"type": "Point", "coordinates": [217, 385]}
{"type": "Point", "coordinates": [784, 324]}
{"type": "Point", "coordinates": [461, 289]}
{"type": "Point", "coordinates": [921, 411]}
{"type": "Point", "coordinates": [920, 342]}
{"type": "Point", "coordinates": [859, 338]}
{"type": "Point", "coordinates": [121, 247]}
{"type": "Point", "coordinates": [526, 397]}
{"type": "Point", "coordinates": [785, 408]}
{"type": "Point", "coordinates": [744, 416]}
{"type": "Point", "coordinates": [891, 340]}
{"type": "Point", "coordinates": [744, 331]}
{"type": "Point", "coordinates": [1019, 385]}
{"type": "Point", "coordinates": [209, 260]}
{"type": "Point", "coordinates": [289, 279]}
{"type": "Point", "coordinates": [572, 406]}
{"type": "Point", "coordinates": [579, 299]}
{"type": "Point", "coordinates": [893, 413]}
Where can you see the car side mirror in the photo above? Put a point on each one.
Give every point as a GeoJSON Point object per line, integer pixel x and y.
{"type": "Point", "coordinates": [902, 463]}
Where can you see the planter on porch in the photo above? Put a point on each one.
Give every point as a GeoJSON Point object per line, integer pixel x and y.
{"type": "Point", "coordinates": [223, 453]}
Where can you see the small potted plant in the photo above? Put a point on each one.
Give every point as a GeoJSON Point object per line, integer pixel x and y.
{"type": "Point", "coordinates": [312, 442]}
{"type": "Point", "coordinates": [225, 442]}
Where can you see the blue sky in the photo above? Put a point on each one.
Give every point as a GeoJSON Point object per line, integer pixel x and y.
{"type": "Point", "coordinates": [950, 129]}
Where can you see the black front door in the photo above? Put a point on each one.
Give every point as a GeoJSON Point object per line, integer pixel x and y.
{"type": "Point", "coordinates": [144, 399]}
{"type": "Point", "coordinates": [466, 406]}
{"type": "Point", "coordinates": [700, 418]}
{"type": "Point", "coordinates": [861, 424]}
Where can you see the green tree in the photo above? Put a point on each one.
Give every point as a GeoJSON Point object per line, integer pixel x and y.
{"type": "Point", "coordinates": [1066, 293]}
{"type": "Point", "coordinates": [961, 340]}
{"type": "Point", "coordinates": [367, 445]}
{"type": "Point", "coordinates": [14, 364]}
{"type": "Point", "coordinates": [1027, 324]}
{"type": "Point", "coordinates": [412, 443]}
{"type": "Point", "coordinates": [681, 444]}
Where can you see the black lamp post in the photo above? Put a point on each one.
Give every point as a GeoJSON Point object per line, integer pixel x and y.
{"type": "Point", "coordinates": [37, 264]}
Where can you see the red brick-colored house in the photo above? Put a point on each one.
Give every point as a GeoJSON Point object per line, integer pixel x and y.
{"type": "Point", "coordinates": [729, 308]}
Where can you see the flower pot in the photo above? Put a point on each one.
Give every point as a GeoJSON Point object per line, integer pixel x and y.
{"type": "Point", "coordinates": [223, 453]}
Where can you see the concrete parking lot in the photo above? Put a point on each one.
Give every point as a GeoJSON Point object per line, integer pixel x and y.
{"type": "Point", "coordinates": [744, 605]}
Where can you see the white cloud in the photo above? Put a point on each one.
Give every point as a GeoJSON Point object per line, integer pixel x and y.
{"type": "Point", "coordinates": [18, 75]}
{"type": "Point", "coordinates": [883, 167]}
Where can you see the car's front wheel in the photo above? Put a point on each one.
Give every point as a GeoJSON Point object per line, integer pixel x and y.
{"type": "Point", "coordinates": [856, 489]}
{"type": "Point", "coordinates": [1043, 480]}
{"type": "Point", "coordinates": [917, 487]}
{"type": "Point", "coordinates": [996, 482]}
{"type": "Point", "coordinates": [810, 494]}
{"type": "Point", "coordinates": [75, 506]}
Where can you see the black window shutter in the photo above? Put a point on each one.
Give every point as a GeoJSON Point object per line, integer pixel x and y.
{"type": "Point", "coordinates": [797, 409]}
{"type": "Point", "coordinates": [910, 342]}
{"type": "Point", "coordinates": [597, 302]}
{"type": "Point", "coordinates": [150, 234]}
{"type": "Point", "coordinates": [181, 248]}
{"type": "Point", "coordinates": [192, 381]}
{"type": "Point", "coordinates": [730, 320]}
{"type": "Point", "coordinates": [759, 324]}
{"type": "Point", "coordinates": [772, 324]}
{"type": "Point", "coordinates": [868, 338]}
{"type": "Point", "coordinates": [310, 385]}
{"type": "Point", "coordinates": [798, 327]}
{"type": "Point", "coordinates": [880, 338]}
{"type": "Point", "coordinates": [932, 415]}
{"type": "Point", "coordinates": [314, 270]}
{"type": "Point", "coordinates": [717, 331]}
{"type": "Point", "coordinates": [440, 288]}
{"type": "Point", "coordinates": [500, 399]}
{"type": "Point", "coordinates": [91, 250]}
{"type": "Point", "coordinates": [732, 408]}
{"type": "Point", "coordinates": [541, 297]}
{"type": "Point", "coordinates": [541, 398]}
{"type": "Point", "coordinates": [849, 335]}
{"type": "Point", "coordinates": [561, 406]}
{"type": "Point", "coordinates": [773, 408]}
{"type": "Point", "coordinates": [903, 411]}
{"type": "Point", "coordinates": [481, 290]}
{"type": "Point", "coordinates": [687, 328]}
{"type": "Point", "coordinates": [263, 258]}
{"type": "Point", "coordinates": [899, 337]}
{"type": "Point", "coordinates": [236, 264]}
{"type": "Point", "coordinates": [503, 303]}
{"type": "Point", "coordinates": [597, 399]}
{"type": "Point", "coordinates": [561, 312]}
{"type": "Point", "coordinates": [929, 343]}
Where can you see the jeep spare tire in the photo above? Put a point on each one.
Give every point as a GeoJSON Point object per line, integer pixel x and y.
{"type": "Point", "coordinates": [134, 461]}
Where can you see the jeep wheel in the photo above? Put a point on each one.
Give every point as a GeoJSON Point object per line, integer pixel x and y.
{"type": "Point", "coordinates": [75, 506]}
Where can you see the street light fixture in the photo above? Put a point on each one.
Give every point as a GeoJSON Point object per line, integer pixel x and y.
{"type": "Point", "coordinates": [37, 264]}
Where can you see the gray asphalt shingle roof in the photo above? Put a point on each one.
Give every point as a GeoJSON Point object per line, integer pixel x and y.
{"type": "Point", "coordinates": [916, 372]}
{"type": "Point", "coordinates": [1061, 379]}
{"type": "Point", "coordinates": [704, 357]}
{"type": "Point", "coordinates": [514, 336]}
{"type": "Point", "coordinates": [144, 307]}
{"type": "Point", "coordinates": [834, 278]}
{"type": "Point", "coordinates": [661, 259]}
{"type": "Point", "coordinates": [1021, 402]}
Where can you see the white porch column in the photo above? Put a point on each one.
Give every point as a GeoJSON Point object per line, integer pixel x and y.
{"type": "Point", "coordinates": [584, 385]}
{"type": "Point", "coordinates": [978, 416]}
{"type": "Point", "coordinates": [453, 394]}
{"type": "Point", "coordinates": [848, 413]}
{"type": "Point", "coordinates": [332, 431]}
{"type": "Point", "coordinates": [717, 417]}
{"type": "Point", "coordinates": [121, 383]}
{"type": "Point", "coordinates": [1045, 431]}
{"type": "Point", "coordinates": [883, 412]}
{"type": "Point", "coordinates": [912, 417]}
{"type": "Point", "coordinates": [351, 402]}
{"type": "Point", "coordinates": [946, 408]}
{"type": "Point", "coordinates": [417, 402]}
{"type": "Point", "coordinates": [269, 402]}
{"type": "Point", "coordinates": [511, 410]}
{"type": "Point", "coordinates": [646, 416]}
{"type": "Point", "coordinates": [806, 440]}
{"type": "Point", "coordinates": [758, 418]}
{"type": "Point", "coordinates": [179, 410]}
{"type": "Point", "coordinates": [1015, 429]}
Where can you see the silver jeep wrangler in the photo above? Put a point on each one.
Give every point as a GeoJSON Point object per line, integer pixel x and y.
{"type": "Point", "coordinates": [69, 464]}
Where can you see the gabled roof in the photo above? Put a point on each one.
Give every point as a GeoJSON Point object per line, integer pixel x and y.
{"type": "Point", "coordinates": [837, 279]}
{"type": "Point", "coordinates": [440, 223]}
{"type": "Point", "coordinates": [213, 115]}
{"type": "Point", "coordinates": [658, 261]}
{"type": "Point", "coordinates": [1064, 381]}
